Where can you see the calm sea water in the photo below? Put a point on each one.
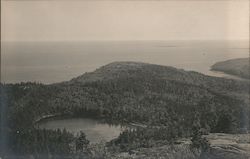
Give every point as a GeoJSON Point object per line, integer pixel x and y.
{"type": "Point", "coordinates": [50, 62]}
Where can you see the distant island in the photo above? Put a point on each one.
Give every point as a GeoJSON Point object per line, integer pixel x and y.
{"type": "Point", "coordinates": [238, 67]}
{"type": "Point", "coordinates": [172, 103]}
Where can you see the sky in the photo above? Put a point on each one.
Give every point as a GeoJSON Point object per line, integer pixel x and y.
{"type": "Point", "coordinates": [77, 20]}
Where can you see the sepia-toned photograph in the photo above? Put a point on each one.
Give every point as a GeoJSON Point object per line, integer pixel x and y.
{"type": "Point", "coordinates": [125, 79]}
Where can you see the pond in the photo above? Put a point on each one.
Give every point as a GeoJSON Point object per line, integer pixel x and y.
{"type": "Point", "coordinates": [95, 130]}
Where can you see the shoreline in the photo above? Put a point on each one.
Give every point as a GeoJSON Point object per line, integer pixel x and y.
{"type": "Point", "coordinates": [237, 67]}
{"type": "Point", "coordinates": [228, 75]}
{"type": "Point", "coordinates": [53, 117]}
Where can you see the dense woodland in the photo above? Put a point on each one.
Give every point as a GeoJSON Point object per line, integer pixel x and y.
{"type": "Point", "coordinates": [238, 67]}
{"type": "Point", "coordinates": [171, 102]}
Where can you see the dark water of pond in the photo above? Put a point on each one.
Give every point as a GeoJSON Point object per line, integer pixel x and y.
{"type": "Point", "coordinates": [95, 130]}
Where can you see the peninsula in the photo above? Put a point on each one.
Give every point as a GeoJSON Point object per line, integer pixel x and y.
{"type": "Point", "coordinates": [238, 67]}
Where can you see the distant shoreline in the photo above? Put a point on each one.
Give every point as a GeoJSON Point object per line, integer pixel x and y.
{"type": "Point", "coordinates": [239, 67]}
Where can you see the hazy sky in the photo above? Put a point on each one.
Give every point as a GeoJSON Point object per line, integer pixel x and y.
{"type": "Point", "coordinates": [27, 20]}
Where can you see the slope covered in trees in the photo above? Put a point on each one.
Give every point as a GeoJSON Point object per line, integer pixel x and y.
{"type": "Point", "coordinates": [239, 67]}
{"type": "Point", "coordinates": [169, 101]}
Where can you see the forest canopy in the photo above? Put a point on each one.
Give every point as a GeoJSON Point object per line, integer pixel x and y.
{"type": "Point", "coordinates": [169, 101]}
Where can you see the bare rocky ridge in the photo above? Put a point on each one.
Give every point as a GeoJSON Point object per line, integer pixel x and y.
{"type": "Point", "coordinates": [230, 146]}
{"type": "Point", "coordinates": [222, 146]}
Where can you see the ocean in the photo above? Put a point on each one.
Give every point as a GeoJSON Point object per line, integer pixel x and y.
{"type": "Point", "coordinates": [52, 62]}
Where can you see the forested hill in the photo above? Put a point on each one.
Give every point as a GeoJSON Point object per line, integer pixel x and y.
{"type": "Point", "coordinates": [158, 96]}
{"type": "Point", "coordinates": [239, 67]}
{"type": "Point", "coordinates": [132, 91]}
{"type": "Point", "coordinates": [132, 70]}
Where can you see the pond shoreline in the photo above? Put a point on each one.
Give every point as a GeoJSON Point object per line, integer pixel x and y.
{"type": "Point", "coordinates": [96, 129]}
{"type": "Point", "coordinates": [52, 117]}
